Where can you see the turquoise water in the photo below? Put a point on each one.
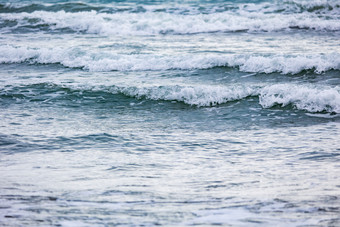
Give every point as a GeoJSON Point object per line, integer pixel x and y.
{"type": "Point", "coordinates": [143, 113]}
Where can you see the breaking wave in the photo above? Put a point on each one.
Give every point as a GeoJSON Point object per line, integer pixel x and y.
{"type": "Point", "coordinates": [302, 97]}
{"type": "Point", "coordinates": [173, 19]}
{"type": "Point", "coordinates": [106, 61]}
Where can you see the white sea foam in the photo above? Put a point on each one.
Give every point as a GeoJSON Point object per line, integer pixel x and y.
{"type": "Point", "coordinates": [151, 23]}
{"type": "Point", "coordinates": [106, 61]}
{"type": "Point", "coordinates": [286, 64]}
{"type": "Point", "coordinates": [303, 97]}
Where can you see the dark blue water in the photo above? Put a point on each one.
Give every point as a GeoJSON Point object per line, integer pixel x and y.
{"type": "Point", "coordinates": [143, 113]}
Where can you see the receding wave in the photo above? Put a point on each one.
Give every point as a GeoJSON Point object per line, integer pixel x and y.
{"type": "Point", "coordinates": [106, 61]}
{"type": "Point", "coordinates": [303, 97]}
{"type": "Point", "coordinates": [150, 20]}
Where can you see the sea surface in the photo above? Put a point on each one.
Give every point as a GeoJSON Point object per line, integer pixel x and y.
{"type": "Point", "coordinates": [172, 113]}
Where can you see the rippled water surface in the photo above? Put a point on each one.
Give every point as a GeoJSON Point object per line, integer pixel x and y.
{"type": "Point", "coordinates": [175, 113]}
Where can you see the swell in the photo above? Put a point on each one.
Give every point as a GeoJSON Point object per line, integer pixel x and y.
{"type": "Point", "coordinates": [310, 98]}
{"type": "Point", "coordinates": [106, 61]}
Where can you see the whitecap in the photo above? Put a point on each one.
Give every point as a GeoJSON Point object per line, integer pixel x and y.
{"type": "Point", "coordinates": [303, 97]}
{"type": "Point", "coordinates": [107, 61]}
{"type": "Point", "coordinates": [152, 23]}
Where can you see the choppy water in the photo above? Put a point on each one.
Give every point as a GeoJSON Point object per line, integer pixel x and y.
{"type": "Point", "coordinates": [142, 113]}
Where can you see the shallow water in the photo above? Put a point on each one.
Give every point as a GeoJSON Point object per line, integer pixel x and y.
{"type": "Point", "coordinates": [169, 113]}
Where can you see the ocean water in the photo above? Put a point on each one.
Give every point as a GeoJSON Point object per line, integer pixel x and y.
{"type": "Point", "coordinates": [174, 113]}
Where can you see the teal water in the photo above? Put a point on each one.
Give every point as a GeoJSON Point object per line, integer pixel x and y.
{"type": "Point", "coordinates": [143, 113]}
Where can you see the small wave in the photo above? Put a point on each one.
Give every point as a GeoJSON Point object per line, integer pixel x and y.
{"type": "Point", "coordinates": [308, 98]}
{"type": "Point", "coordinates": [106, 61]}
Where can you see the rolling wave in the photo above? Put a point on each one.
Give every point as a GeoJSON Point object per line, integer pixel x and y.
{"type": "Point", "coordinates": [106, 61]}
{"type": "Point", "coordinates": [309, 98]}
